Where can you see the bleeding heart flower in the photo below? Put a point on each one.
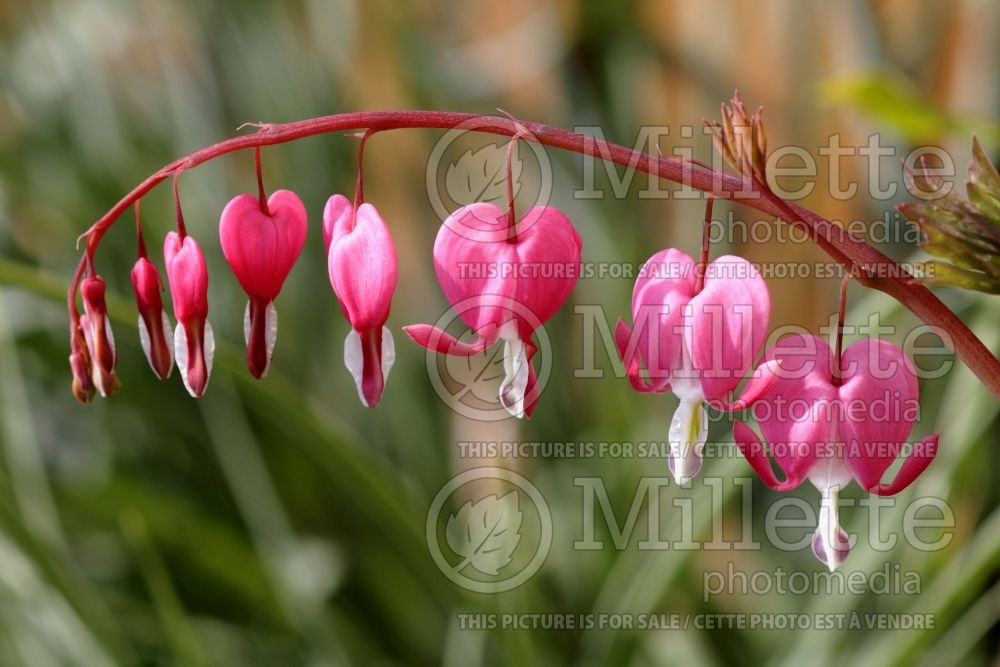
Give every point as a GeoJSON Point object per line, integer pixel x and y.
{"type": "Point", "coordinates": [96, 328]}
{"type": "Point", "coordinates": [831, 431]}
{"type": "Point", "coordinates": [699, 344]}
{"type": "Point", "coordinates": [261, 247]}
{"type": "Point", "coordinates": [361, 260]}
{"type": "Point", "coordinates": [154, 327]}
{"type": "Point", "coordinates": [194, 342]}
{"type": "Point", "coordinates": [504, 287]}
{"type": "Point", "coordinates": [79, 363]}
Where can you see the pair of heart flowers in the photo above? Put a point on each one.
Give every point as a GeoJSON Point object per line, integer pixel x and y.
{"type": "Point", "coordinates": [697, 329]}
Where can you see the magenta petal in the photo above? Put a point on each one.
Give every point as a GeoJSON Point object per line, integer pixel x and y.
{"type": "Point", "coordinates": [879, 396]}
{"type": "Point", "coordinates": [917, 461]}
{"type": "Point", "coordinates": [762, 381]}
{"type": "Point", "coordinates": [796, 413]}
{"type": "Point", "coordinates": [757, 456]}
{"type": "Point", "coordinates": [442, 342]}
{"type": "Point", "coordinates": [98, 327]}
{"type": "Point", "coordinates": [489, 280]}
{"type": "Point", "coordinates": [154, 329]}
{"type": "Point", "coordinates": [337, 215]}
{"type": "Point", "coordinates": [727, 324]}
{"type": "Point", "coordinates": [363, 269]}
{"type": "Point", "coordinates": [194, 344]}
{"type": "Point", "coordinates": [631, 360]}
{"type": "Point", "coordinates": [262, 248]}
{"type": "Point", "coordinates": [187, 276]}
{"type": "Point", "coordinates": [664, 287]}
{"type": "Point", "coordinates": [471, 260]}
{"type": "Point", "coordinates": [550, 247]}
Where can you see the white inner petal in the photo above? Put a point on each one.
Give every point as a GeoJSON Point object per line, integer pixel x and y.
{"type": "Point", "coordinates": [209, 351]}
{"type": "Point", "coordinates": [688, 433]}
{"type": "Point", "coordinates": [168, 341]}
{"type": "Point", "coordinates": [515, 365]}
{"type": "Point", "coordinates": [683, 381]}
{"type": "Point", "coordinates": [270, 330]}
{"type": "Point", "coordinates": [354, 359]}
{"type": "Point", "coordinates": [831, 544]}
{"type": "Point", "coordinates": [181, 354]}
{"type": "Point", "coordinates": [388, 353]}
{"type": "Point", "coordinates": [147, 346]}
{"type": "Point", "coordinates": [111, 340]}
{"type": "Point", "coordinates": [246, 324]}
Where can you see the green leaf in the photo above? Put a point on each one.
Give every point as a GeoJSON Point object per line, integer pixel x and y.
{"type": "Point", "coordinates": [967, 233]}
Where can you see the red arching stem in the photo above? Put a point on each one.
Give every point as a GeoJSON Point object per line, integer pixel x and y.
{"type": "Point", "coordinates": [706, 242]}
{"type": "Point", "coordinates": [511, 216]}
{"type": "Point", "coordinates": [260, 182]}
{"type": "Point", "coordinates": [877, 270]}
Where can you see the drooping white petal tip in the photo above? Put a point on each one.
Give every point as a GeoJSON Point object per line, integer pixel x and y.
{"type": "Point", "coordinates": [831, 545]}
{"type": "Point", "coordinates": [181, 355]}
{"type": "Point", "coordinates": [270, 331]}
{"type": "Point", "coordinates": [147, 345]}
{"type": "Point", "coordinates": [354, 359]}
{"type": "Point", "coordinates": [687, 435]}
{"type": "Point", "coordinates": [515, 381]}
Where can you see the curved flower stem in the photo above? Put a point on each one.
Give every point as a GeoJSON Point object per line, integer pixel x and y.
{"type": "Point", "coordinates": [876, 270]}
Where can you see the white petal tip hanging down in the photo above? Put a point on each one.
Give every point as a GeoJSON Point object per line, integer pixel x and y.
{"type": "Point", "coordinates": [354, 359]}
{"type": "Point", "coordinates": [831, 545]}
{"type": "Point", "coordinates": [147, 345]}
{"type": "Point", "coordinates": [687, 435]}
{"type": "Point", "coordinates": [181, 356]}
{"type": "Point", "coordinates": [515, 382]}
{"type": "Point", "coordinates": [270, 331]}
